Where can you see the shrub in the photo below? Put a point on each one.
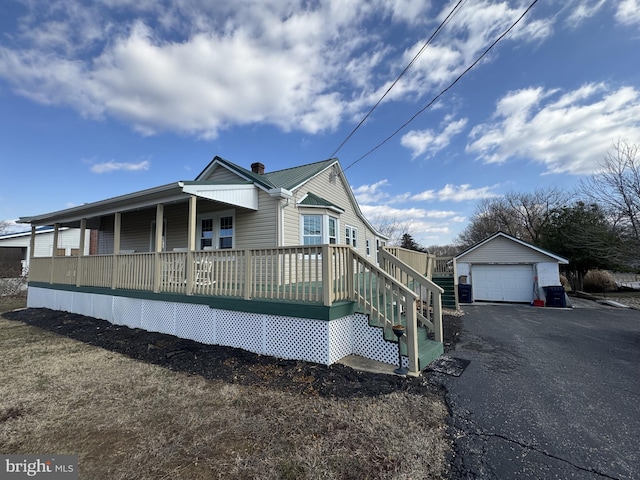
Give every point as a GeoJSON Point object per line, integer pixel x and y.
{"type": "Point", "coordinates": [599, 281]}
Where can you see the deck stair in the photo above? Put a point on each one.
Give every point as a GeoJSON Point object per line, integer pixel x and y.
{"type": "Point", "coordinates": [447, 283]}
{"type": "Point", "coordinates": [392, 294]}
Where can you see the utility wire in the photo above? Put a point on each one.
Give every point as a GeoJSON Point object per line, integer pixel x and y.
{"type": "Point", "coordinates": [424, 47]}
{"type": "Point", "coordinates": [435, 99]}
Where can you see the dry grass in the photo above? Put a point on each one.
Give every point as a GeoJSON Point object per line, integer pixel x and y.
{"type": "Point", "coordinates": [128, 419]}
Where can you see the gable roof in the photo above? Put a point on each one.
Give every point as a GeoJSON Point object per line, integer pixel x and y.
{"type": "Point", "coordinates": [311, 200]}
{"type": "Point", "coordinates": [279, 184]}
{"type": "Point", "coordinates": [498, 234]}
{"type": "Point", "coordinates": [288, 178]}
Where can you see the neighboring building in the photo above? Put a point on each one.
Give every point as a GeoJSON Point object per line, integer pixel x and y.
{"type": "Point", "coordinates": [282, 263]}
{"type": "Point", "coordinates": [15, 248]}
{"type": "Point", "coordinates": [503, 268]}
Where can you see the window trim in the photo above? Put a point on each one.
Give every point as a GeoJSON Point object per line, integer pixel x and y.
{"type": "Point", "coordinates": [351, 236]}
{"type": "Point", "coordinates": [215, 217]}
{"type": "Point", "coordinates": [325, 238]}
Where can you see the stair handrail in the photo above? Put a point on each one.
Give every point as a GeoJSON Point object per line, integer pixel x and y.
{"type": "Point", "coordinates": [403, 299]}
{"type": "Point", "coordinates": [420, 284]}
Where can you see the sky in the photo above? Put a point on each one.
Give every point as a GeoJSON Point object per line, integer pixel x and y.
{"type": "Point", "coordinates": [106, 97]}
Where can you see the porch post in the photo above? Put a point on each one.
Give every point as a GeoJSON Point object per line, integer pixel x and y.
{"type": "Point", "coordinates": [191, 243]}
{"type": "Point", "coordinates": [54, 249]}
{"type": "Point", "coordinates": [248, 274]}
{"type": "Point", "coordinates": [412, 336]}
{"type": "Point", "coordinates": [158, 233]}
{"type": "Point", "coordinates": [32, 247]}
{"type": "Point", "coordinates": [327, 274]}
{"type": "Point", "coordinates": [117, 223]}
{"type": "Point", "coordinates": [83, 229]}
{"type": "Point", "coordinates": [437, 316]}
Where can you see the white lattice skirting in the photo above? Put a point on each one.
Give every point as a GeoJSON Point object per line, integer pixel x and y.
{"type": "Point", "coordinates": [311, 340]}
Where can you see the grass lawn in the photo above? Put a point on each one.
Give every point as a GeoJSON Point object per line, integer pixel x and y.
{"type": "Point", "coordinates": [130, 419]}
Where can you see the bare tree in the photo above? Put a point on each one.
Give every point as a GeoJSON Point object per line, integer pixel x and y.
{"type": "Point", "coordinates": [616, 187]}
{"type": "Point", "coordinates": [4, 225]}
{"type": "Point", "coordinates": [391, 227]}
{"type": "Point", "coordinates": [521, 215]}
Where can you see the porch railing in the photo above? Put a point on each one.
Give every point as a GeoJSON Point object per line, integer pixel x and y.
{"type": "Point", "coordinates": [419, 261]}
{"type": "Point", "coordinates": [290, 273]}
{"type": "Point", "coordinates": [428, 294]}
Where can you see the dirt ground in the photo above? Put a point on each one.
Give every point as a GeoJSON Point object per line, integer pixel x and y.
{"type": "Point", "coordinates": [230, 364]}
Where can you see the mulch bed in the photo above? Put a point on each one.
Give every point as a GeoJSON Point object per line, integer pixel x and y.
{"type": "Point", "coordinates": [231, 364]}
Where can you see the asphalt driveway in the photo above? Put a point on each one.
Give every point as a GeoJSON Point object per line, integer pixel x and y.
{"type": "Point", "coordinates": [549, 393]}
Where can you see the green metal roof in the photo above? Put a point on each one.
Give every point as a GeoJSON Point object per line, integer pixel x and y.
{"type": "Point", "coordinates": [316, 201]}
{"type": "Point", "coordinates": [289, 178]}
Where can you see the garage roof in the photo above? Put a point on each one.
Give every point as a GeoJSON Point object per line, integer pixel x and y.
{"type": "Point", "coordinates": [502, 235]}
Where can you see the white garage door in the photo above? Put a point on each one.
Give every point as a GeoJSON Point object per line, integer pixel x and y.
{"type": "Point", "coordinates": [502, 283]}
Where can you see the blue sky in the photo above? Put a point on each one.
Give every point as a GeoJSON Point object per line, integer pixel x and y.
{"type": "Point", "coordinates": [103, 98]}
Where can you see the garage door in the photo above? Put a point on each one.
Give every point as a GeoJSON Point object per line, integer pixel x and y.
{"type": "Point", "coordinates": [502, 283]}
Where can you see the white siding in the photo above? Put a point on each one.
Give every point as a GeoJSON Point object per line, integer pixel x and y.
{"type": "Point", "coordinates": [548, 274]}
{"type": "Point", "coordinates": [503, 250]}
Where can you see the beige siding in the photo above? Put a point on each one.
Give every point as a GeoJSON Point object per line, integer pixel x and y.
{"type": "Point", "coordinates": [335, 192]}
{"type": "Point", "coordinates": [503, 250]}
{"type": "Point", "coordinates": [221, 174]}
{"type": "Point", "coordinates": [258, 229]}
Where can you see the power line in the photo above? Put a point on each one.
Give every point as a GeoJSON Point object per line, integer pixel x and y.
{"type": "Point", "coordinates": [435, 99]}
{"type": "Point", "coordinates": [426, 44]}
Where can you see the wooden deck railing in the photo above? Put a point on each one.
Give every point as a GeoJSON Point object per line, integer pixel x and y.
{"type": "Point", "coordinates": [428, 294]}
{"type": "Point", "coordinates": [419, 261]}
{"type": "Point", "coordinates": [291, 273]}
{"type": "Point", "coordinates": [444, 266]}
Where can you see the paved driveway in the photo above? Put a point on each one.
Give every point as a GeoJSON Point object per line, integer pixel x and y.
{"type": "Point", "coordinates": [549, 393]}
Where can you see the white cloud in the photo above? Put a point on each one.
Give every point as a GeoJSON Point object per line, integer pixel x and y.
{"type": "Point", "coordinates": [200, 67]}
{"type": "Point", "coordinates": [455, 193]}
{"type": "Point", "coordinates": [566, 131]}
{"type": "Point", "coordinates": [462, 193]}
{"type": "Point", "coordinates": [370, 193]}
{"type": "Point", "coordinates": [428, 141]}
{"type": "Point", "coordinates": [112, 166]}
{"type": "Point", "coordinates": [628, 12]}
{"type": "Point", "coordinates": [583, 10]}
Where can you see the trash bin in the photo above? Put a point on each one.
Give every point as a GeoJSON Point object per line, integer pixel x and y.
{"type": "Point", "coordinates": [555, 296]}
{"type": "Point", "coordinates": [464, 293]}
{"type": "Point", "coordinates": [462, 279]}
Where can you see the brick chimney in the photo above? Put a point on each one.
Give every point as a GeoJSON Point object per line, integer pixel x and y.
{"type": "Point", "coordinates": [257, 168]}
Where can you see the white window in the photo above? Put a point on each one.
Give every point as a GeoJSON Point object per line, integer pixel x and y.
{"type": "Point", "coordinates": [351, 236]}
{"type": "Point", "coordinates": [311, 229]}
{"type": "Point", "coordinates": [368, 243]}
{"type": "Point", "coordinates": [226, 232]}
{"type": "Point", "coordinates": [319, 229]}
{"type": "Point", "coordinates": [215, 230]}
{"type": "Point", "coordinates": [333, 230]}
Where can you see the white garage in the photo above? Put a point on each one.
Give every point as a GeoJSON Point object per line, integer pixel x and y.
{"type": "Point", "coordinates": [503, 268]}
